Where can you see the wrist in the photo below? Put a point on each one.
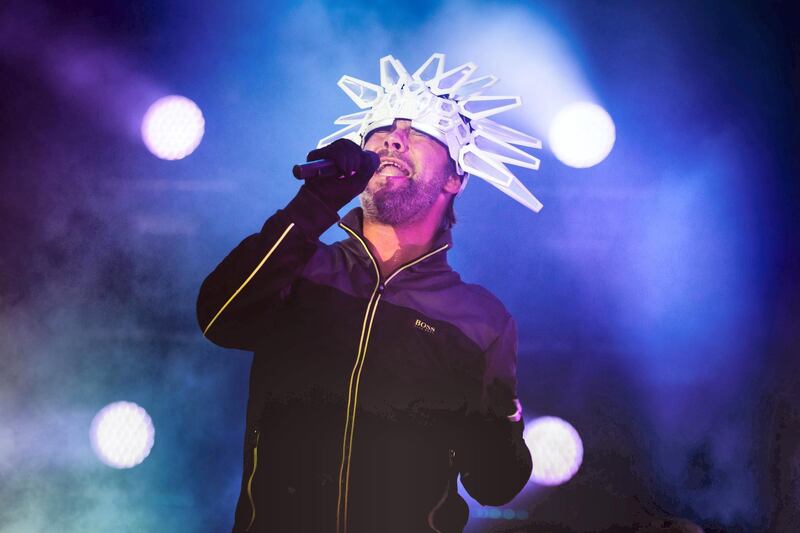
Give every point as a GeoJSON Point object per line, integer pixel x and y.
{"type": "Point", "coordinates": [310, 213]}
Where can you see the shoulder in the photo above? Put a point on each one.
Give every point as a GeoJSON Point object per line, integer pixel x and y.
{"type": "Point", "coordinates": [483, 297]}
{"type": "Point", "coordinates": [478, 313]}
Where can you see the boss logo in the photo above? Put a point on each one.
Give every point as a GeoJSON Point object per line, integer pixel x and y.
{"type": "Point", "coordinates": [427, 328]}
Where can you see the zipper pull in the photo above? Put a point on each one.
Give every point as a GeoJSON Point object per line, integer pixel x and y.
{"type": "Point", "coordinates": [253, 436]}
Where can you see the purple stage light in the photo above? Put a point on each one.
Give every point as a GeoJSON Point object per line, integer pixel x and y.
{"type": "Point", "coordinates": [122, 434]}
{"type": "Point", "coordinates": [556, 449]}
{"type": "Point", "coordinates": [173, 127]}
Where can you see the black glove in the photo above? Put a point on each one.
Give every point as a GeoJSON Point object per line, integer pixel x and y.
{"type": "Point", "coordinates": [355, 165]}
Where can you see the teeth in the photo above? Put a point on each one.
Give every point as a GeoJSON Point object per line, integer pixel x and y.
{"type": "Point", "coordinates": [395, 165]}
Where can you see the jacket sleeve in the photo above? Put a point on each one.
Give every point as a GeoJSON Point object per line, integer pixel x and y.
{"type": "Point", "coordinates": [238, 299]}
{"type": "Point", "coordinates": [494, 462]}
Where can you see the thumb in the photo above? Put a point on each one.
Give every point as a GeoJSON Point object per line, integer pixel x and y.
{"type": "Point", "coordinates": [369, 163]}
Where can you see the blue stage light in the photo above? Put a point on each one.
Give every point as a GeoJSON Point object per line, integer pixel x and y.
{"type": "Point", "coordinates": [122, 434]}
{"type": "Point", "coordinates": [582, 135]}
{"type": "Point", "coordinates": [556, 449]}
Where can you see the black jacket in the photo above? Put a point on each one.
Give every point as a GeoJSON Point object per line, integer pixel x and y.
{"type": "Point", "coordinates": [368, 396]}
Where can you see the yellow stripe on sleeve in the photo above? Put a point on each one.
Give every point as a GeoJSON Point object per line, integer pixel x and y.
{"type": "Point", "coordinates": [253, 273]}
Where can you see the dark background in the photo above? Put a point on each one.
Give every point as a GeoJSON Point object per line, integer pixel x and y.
{"type": "Point", "coordinates": [656, 293]}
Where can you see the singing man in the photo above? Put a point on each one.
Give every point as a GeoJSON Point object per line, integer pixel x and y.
{"type": "Point", "coordinates": [379, 376]}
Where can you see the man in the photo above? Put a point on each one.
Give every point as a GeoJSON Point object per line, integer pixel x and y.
{"type": "Point", "coordinates": [378, 376]}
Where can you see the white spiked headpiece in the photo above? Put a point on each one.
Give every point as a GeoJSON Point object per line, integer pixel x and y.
{"type": "Point", "coordinates": [448, 106]}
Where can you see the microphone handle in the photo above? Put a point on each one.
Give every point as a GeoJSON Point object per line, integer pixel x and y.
{"type": "Point", "coordinates": [321, 168]}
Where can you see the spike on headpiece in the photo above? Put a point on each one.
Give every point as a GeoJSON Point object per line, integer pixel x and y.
{"type": "Point", "coordinates": [449, 106]}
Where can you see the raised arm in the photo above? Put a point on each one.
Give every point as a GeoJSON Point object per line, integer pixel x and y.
{"type": "Point", "coordinates": [238, 299]}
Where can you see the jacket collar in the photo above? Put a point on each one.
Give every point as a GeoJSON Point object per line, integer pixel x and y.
{"type": "Point", "coordinates": [354, 220]}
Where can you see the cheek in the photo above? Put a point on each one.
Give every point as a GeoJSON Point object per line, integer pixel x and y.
{"type": "Point", "coordinates": [434, 162]}
{"type": "Point", "coordinates": [373, 143]}
{"type": "Point", "coordinates": [425, 159]}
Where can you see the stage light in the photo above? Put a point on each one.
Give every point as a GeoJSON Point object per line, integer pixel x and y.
{"type": "Point", "coordinates": [122, 434]}
{"type": "Point", "coordinates": [173, 127]}
{"type": "Point", "coordinates": [556, 449]}
{"type": "Point", "coordinates": [582, 135]}
{"type": "Point", "coordinates": [494, 513]}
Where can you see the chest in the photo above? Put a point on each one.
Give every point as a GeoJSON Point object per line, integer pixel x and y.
{"type": "Point", "coordinates": [397, 357]}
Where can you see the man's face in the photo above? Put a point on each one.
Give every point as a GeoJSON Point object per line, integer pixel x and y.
{"type": "Point", "coordinates": [414, 171]}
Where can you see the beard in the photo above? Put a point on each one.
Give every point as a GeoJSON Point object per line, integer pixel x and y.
{"type": "Point", "coordinates": [397, 206]}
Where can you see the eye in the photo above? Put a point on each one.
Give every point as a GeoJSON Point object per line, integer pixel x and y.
{"type": "Point", "coordinates": [379, 132]}
{"type": "Point", "coordinates": [376, 134]}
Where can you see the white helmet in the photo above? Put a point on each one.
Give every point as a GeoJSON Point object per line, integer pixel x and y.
{"type": "Point", "coordinates": [448, 106]}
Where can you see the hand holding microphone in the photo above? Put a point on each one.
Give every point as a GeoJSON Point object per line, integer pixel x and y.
{"type": "Point", "coordinates": [341, 175]}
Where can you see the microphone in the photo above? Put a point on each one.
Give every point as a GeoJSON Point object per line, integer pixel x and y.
{"type": "Point", "coordinates": [326, 168]}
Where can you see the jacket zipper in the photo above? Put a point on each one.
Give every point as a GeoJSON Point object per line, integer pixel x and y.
{"type": "Point", "coordinates": [355, 376]}
{"type": "Point", "coordinates": [250, 481]}
{"type": "Point", "coordinates": [452, 479]}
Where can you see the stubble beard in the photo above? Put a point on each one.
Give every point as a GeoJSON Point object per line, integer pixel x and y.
{"type": "Point", "coordinates": [398, 206]}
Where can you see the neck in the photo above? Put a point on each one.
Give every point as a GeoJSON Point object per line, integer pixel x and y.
{"type": "Point", "coordinates": [393, 246]}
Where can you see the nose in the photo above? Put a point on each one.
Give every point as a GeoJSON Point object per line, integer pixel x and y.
{"type": "Point", "coordinates": [396, 140]}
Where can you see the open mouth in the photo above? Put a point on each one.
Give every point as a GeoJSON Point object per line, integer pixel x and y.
{"type": "Point", "coordinates": [393, 167]}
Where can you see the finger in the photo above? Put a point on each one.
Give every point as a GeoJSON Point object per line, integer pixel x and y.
{"type": "Point", "coordinates": [353, 162]}
{"type": "Point", "coordinates": [344, 143]}
{"type": "Point", "coordinates": [313, 155]}
{"type": "Point", "coordinates": [370, 161]}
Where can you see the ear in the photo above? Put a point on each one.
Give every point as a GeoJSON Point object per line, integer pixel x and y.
{"type": "Point", "coordinates": [453, 184]}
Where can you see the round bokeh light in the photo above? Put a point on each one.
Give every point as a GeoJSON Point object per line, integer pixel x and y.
{"type": "Point", "coordinates": [173, 127]}
{"type": "Point", "coordinates": [556, 449]}
{"type": "Point", "coordinates": [122, 434]}
{"type": "Point", "coordinates": [582, 135]}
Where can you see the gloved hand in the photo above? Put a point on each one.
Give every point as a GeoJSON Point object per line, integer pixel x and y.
{"type": "Point", "coordinates": [356, 167]}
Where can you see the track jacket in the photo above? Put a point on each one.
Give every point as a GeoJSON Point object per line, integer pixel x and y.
{"type": "Point", "coordinates": [369, 395]}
